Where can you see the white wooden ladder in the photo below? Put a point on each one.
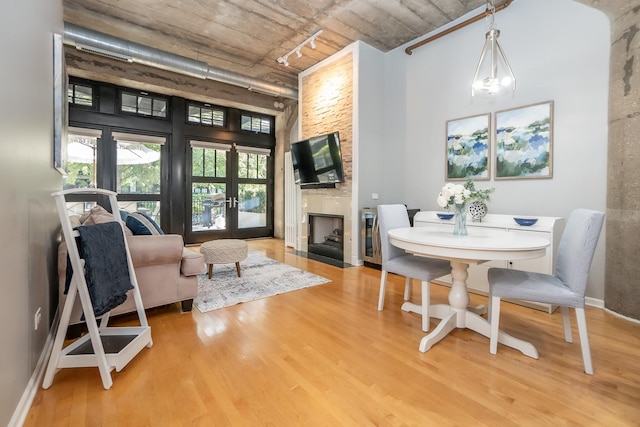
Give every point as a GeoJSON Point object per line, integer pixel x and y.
{"type": "Point", "coordinates": [105, 347]}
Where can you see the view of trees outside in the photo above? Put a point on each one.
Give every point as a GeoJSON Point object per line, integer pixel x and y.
{"type": "Point", "coordinates": [138, 168]}
{"type": "Point", "coordinates": [251, 165]}
{"type": "Point", "coordinates": [81, 165]}
{"type": "Point", "coordinates": [208, 162]}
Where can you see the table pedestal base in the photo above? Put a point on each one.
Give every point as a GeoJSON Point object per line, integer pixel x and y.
{"type": "Point", "coordinates": [458, 314]}
{"type": "Point", "coordinates": [452, 319]}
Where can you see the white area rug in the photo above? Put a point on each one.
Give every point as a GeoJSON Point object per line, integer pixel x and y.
{"type": "Point", "coordinates": [261, 277]}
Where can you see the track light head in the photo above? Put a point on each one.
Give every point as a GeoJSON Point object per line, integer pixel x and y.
{"type": "Point", "coordinates": [283, 60]}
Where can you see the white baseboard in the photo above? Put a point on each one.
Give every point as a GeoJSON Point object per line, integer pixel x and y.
{"type": "Point", "coordinates": [22, 410]}
{"type": "Point", "coordinates": [594, 302]}
{"type": "Point", "coordinates": [630, 319]}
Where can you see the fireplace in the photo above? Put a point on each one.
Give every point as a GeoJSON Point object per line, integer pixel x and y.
{"type": "Point", "coordinates": [326, 235]}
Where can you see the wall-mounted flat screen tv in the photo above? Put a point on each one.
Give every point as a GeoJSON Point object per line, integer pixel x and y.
{"type": "Point", "coordinates": [317, 161]}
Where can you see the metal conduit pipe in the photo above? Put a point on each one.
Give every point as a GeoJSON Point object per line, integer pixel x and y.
{"type": "Point", "coordinates": [471, 20]}
{"type": "Point", "coordinates": [123, 50]}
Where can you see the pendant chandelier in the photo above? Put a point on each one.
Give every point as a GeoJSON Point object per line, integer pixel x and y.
{"type": "Point", "coordinates": [493, 74]}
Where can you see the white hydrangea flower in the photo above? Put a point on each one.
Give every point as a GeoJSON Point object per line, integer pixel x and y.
{"type": "Point", "coordinates": [458, 194]}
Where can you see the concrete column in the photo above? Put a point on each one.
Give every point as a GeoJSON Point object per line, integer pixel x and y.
{"type": "Point", "coordinates": [622, 265]}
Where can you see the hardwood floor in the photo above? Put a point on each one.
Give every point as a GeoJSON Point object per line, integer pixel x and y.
{"type": "Point", "coordinates": [324, 356]}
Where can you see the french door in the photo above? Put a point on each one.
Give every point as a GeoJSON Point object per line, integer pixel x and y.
{"type": "Point", "coordinates": [231, 192]}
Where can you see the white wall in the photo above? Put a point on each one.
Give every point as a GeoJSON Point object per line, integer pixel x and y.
{"type": "Point", "coordinates": [559, 50]}
{"type": "Point", "coordinates": [28, 218]}
{"type": "Point", "coordinates": [369, 143]}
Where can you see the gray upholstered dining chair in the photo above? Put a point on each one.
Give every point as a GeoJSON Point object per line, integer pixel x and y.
{"type": "Point", "coordinates": [565, 288]}
{"type": "Point", "coordinates": [397, 261]}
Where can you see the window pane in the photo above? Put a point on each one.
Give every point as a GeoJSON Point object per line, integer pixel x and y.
{"type": "Point", "coordinates": [242, 165]}
{"type": "Point", "coordinates": [252, 205]}
{"type": "Point", "coordinates": [144, 105]}
{"type": "Point", "coordinates": [83, 95]}
{"type": "Point", "coordinates": [81, 166]}
{"type": "Point", "coordinates": [70, 94]}
{"type": "Point", "coordinates": [138, 168]}
{"type": "Point", "coordinates": [208, 206]}
{"type": "Point", "coordinates": [255, 124]}
{"type": "Point", "coordinates": [129, 103]}
{"type": "Point", "coordinates": [206, 116]}
{"type": "Point", "coordinates": [210, 162]}
{"type": "Point", "coordinates": [266, 126]}
{"type": "Point", "coordinates": [252, 165]}
{"type": "Point", "coordinates": [218, 117]}
{"type": "Point", "coordinates": [159, 108]}
{"type": "Point", "coordinates": [245, 122]}
{"type": "Point", "coordinates": [194, 114]}
{"type": "Point", "coordinates": [197, 161]}
{"type": "Point", "coordinates": [262, 166]}
{"type": "Point", "coordinates": [221, 164]}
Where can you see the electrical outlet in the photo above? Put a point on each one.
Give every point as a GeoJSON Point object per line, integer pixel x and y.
{"type": "Point", "coordinates": [374, 196]}
{"type": "Point", "coordinates": [37, 318]}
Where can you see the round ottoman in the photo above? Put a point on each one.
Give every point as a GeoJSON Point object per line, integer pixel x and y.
{"type": "Point", "coordinates": [224, 251]}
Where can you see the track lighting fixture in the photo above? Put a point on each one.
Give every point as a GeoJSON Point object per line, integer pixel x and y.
{"type": "Point", "coordinates": [284, 59]}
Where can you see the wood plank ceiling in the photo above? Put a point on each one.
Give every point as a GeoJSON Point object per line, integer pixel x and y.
{"type": "Point", "coordinates": [247, 36]}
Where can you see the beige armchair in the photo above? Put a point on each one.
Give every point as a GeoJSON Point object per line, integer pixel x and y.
{"type": "Point", "coordinates": [165, 269]}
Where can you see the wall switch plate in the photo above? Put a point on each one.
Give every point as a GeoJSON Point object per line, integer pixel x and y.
{"type": "Point", "coordinates": [374, 196]}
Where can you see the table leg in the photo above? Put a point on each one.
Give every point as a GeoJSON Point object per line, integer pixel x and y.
{"type": "Point", "coordinates": [482, 326]}
{"type": "Point", "coordinates": [210, 270]}
{"type": "Point", "coordinates": [446, 325]}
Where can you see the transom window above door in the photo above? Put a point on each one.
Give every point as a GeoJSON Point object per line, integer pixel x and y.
{"type": "Point", "coordinates": [205, 114]}
{"type": "Point", "coordinates": [143, 104]}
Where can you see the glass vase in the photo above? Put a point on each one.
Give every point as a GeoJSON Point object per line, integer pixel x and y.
{"type": "Point", "coordinates": [460, 218]}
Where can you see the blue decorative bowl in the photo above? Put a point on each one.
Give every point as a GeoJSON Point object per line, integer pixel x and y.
{"type": "Point", "coordinates": [445, 216]}
{"type": "Point", "coordinates": [526, 222]}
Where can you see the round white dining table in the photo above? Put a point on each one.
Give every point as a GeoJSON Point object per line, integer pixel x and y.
{"type": "Point", "coordinates": [479, 246]}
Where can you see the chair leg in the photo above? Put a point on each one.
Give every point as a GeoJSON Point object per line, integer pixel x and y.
{"type": "Point", "coordinates": [566, 324]}
{"type": "Point", "coordinates": [426, 301]}
{"type": "Point", "coordinates": [584, 340]}
{"type": "Point", "coordinates": [494, 323]}
{"type": "Point", "coordinates": [407, 289]}
{"type": "Point", "coordinates": [383, 285]}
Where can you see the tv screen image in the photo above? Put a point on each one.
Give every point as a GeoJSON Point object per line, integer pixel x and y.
{"type": "Point", "coordinates": [318, 160]}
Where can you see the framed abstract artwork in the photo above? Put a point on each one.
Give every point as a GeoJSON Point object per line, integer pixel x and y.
{"type": "Point", "coordinates": [524, 142]}
{"type": "Point", "coordinates": [467, 153]}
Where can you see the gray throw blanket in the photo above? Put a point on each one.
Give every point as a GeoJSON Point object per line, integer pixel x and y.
{"type": "Point", "coordinates": [106, 270]}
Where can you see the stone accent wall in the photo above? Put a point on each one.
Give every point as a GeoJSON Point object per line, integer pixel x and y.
{"type": "Point", "coordinates": [327, 106]}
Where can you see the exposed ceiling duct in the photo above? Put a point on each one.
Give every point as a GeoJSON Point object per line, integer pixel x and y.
{"type": "Point", "coordinates": [123, 50]}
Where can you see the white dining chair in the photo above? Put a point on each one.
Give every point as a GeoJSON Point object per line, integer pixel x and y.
{"type": "Point", "coordinates": [565, 288]}
{"type": "Point", "coordinates": [397, 261]}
